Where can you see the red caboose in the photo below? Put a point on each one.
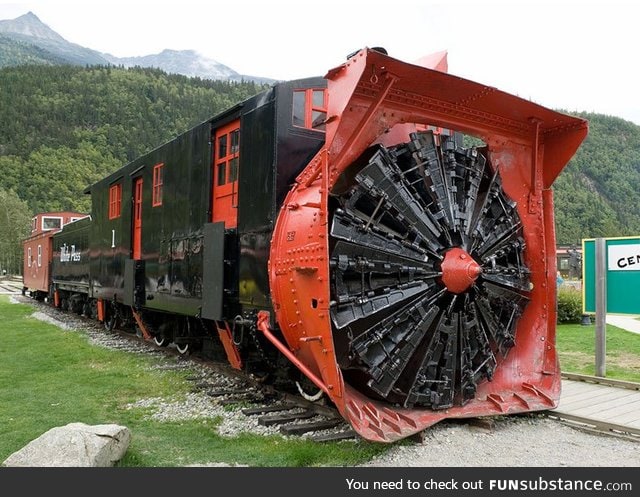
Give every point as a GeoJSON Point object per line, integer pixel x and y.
{"type": "Point", "coordinates": [38, 250]}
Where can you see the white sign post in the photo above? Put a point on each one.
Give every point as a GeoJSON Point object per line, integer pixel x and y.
{"type": "Point", "coordinates": [601, 307]}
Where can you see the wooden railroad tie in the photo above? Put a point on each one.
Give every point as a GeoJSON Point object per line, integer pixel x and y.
{"type": "Point", "coordinates": [301, 428]}
{"type": "Point", "coordinates": [285, 418]}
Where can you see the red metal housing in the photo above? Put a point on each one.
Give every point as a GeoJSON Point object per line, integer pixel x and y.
{"type": "Point", "coordinates": [373, 98]}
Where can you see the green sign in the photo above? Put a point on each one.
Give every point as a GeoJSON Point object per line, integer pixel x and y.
{"type": "Point", "coordinates": [622, 275]}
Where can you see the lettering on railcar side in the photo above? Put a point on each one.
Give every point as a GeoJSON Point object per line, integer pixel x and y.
{"type": "Point", "coordinates": [69, 253]}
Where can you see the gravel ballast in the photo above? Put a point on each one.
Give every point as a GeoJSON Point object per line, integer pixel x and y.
{"type": "Point", "coordinates": [517, 441]}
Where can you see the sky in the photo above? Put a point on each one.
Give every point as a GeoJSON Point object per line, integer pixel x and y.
{"type": "Point", "coordinates": [576, 55]}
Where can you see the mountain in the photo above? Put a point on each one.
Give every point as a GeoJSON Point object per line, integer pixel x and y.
{"type": "Point", "coordinates": [27, 40]}
{"type": "Point", "coordinates": [29, 26]}
{"type": "Point", "coordinates": [28, 30]}
{"type": "Point", "coordinates": [186, 62]}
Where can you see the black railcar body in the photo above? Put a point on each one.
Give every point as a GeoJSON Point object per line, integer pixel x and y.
{"type": "Point", "coordinates": [71, 258]}
{"type": "Point", "coordinates": [172, 233]}
{"type": "Point", "coordinates": [191, 270]}
{"type": "Point", "coordinates": [175, 235]}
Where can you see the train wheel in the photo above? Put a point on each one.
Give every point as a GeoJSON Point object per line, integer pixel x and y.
{"type": "Point", "coordinates": [161, 340]}
{"type": "Point", "coordinates": [183, 348]}
{"type": "Point", "coordinates": [310, 397]}
{"type": "Point", "coordinates": [427, 272]}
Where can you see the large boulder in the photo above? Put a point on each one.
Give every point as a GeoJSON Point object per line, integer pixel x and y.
{"type": "Point", "coordinates": [74, 445]}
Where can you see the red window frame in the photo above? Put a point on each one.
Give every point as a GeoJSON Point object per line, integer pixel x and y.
{"type": "Point", "coordinates": [311, 108]}
{"type": "Point", "coordinates": [156, 197]}
{"type": "Point", "coordinates": [115, 201]}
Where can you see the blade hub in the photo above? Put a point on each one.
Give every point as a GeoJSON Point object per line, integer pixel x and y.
{"type": "Point", "coordinates": [459, 270]}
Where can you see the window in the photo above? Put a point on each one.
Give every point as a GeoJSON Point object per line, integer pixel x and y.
{"type": "Point", "coordinates": [29, 256]}
{"type": "Point", "coordinates": [228, 157]}
{"type": "Point", "coordinates": [51, 223]}
{"type": "Point", "coordinates": [222, 175]}
{"type": "Point", "coordinates": [234, 136]}
{"type": "Point", "coordinates": [39, 255]}
{"type": "Point", "coordinates": [115, 201]}
{"type": "Point", "coordinates": [157, 185]}
{"type": "Point", "coordinates": [222, 146]}
{"type": "Point", "coordinates": [310, 108]}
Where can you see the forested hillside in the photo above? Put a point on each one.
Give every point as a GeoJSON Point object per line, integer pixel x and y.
{"type": "Point", "coordinates": [64, 127]}
{"type": "Point", "coordinates": [14, 52]}
{"type": "Point", "coordinates": [598, 193]}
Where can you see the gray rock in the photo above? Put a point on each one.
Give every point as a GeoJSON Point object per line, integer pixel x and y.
{"type": "Point", "coordinates": [74, 445]}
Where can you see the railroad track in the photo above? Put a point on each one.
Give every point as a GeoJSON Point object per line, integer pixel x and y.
{"type": "Point", "coordinates": [10, 286]}
{"type": "Point", "coordinates": [600, 405]}
{"type": "Point", "coordinates": [291, 414]}
{"type": "Point", "coordinates": [294, 415]}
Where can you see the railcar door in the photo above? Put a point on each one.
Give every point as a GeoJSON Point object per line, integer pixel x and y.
{"type": "Point", "coordinates": [226, 163]}
{"type": "Point", "coordinates": [137, 218]}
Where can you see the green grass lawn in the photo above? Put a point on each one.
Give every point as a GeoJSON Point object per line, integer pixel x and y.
{"type": "Point", "coordinates": [50, 377]}
{"type": "Point", "coordinates": [576, 349]}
